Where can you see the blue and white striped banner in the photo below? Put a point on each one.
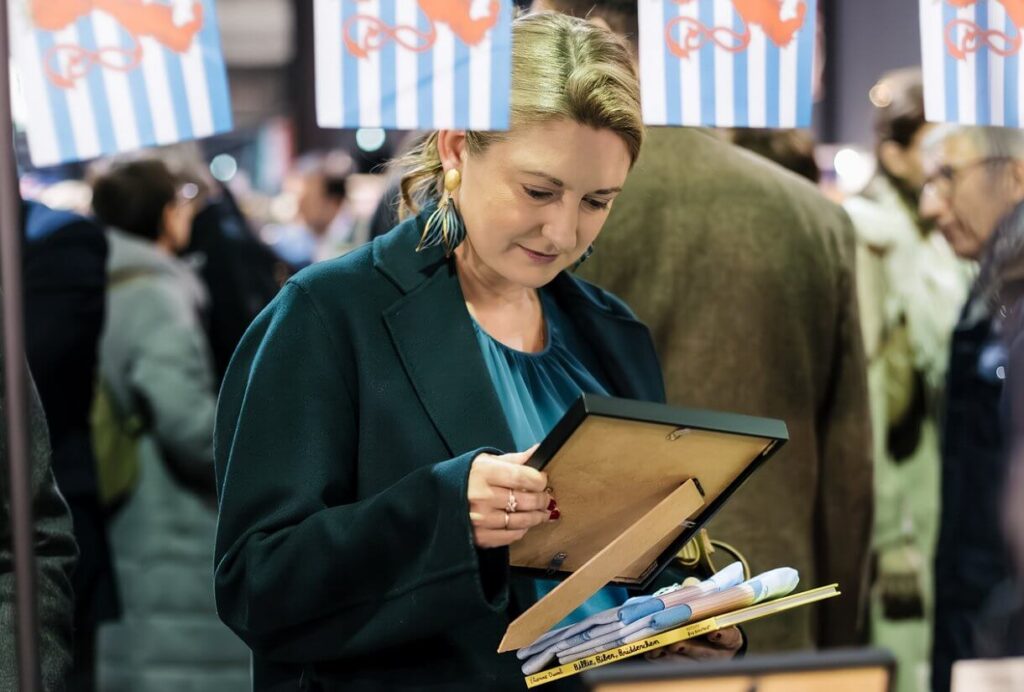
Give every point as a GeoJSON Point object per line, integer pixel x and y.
{"type": "Point", "coordinates": [971, 57]}
{"type": "Point", "coordinates": [408, 65]}
{"type": "Point", "coordinates": [727, 63]}
{"type": "Point", "coordinates": [106, 76]}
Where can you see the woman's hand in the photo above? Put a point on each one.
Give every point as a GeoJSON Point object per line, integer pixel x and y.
{"type": "Point", "coordinates": [719, 645]}
{"type": "Point", "coordinates": [498, 484]}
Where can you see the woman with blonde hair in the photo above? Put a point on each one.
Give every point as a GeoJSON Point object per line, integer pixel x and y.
{"type": "Point", "coordinates": [374, 423]}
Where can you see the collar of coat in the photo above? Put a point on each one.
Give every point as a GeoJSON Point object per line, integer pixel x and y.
{"type": "Point", "coordinates": [1000, 282]}
{"type": "Point", "coordinates": [433, 334]}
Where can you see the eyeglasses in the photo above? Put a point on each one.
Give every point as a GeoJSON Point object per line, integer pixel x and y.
{"type": "Point", "coordinates": [943, 181]}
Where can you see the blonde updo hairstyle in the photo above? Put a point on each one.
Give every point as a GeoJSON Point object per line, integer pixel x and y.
{"type": "Point", "coordinates": [562, 68]}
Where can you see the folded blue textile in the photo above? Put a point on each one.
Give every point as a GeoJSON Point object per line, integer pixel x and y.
{"type": "Point", "coordinates": [671, 618]}
{"type": "Point", "coordinates": [604, 630]}
{"type": "Point", "coordinates": [603, 618]}
{"type": "Point", "coordinates": [770, 585]}
{"type": "Point", "coordinates": [722, 579]}
{"type": "Point", "coordinates": [624, 634]}
{"type": "Point", "coordinates": [642, 633]}
{"type": "Point", "coordinates": [607, 638]}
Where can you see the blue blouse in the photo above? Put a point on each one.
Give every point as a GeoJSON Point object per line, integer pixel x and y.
{"type": "Point", "coordinates": [535, 390]}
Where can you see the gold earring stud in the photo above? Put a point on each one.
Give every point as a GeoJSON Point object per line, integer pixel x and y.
{"type": "Point", "coordinates": [452, 180]}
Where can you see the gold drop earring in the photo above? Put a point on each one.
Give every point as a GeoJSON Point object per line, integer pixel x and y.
{"type": "Point", "coordinates": [445, 226]}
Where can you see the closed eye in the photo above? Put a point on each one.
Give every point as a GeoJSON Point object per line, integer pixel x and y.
{"type": "Point", "coordinates": [540, 195]}
{"type": "Point", "coordinates": [596, 204]}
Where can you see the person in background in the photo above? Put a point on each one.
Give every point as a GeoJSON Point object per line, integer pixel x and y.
{"type": "Point", "coordinates": [155, 363]}
{"type": "Point", "coordinates": [1000, 629]}
{"type": "Point", "coordinates": [974, 178]}
{"type": "Point", "coordinates": [911, 287]}
{"type": "Point", "coordinates": [791, 149]}
{"type": "Point", "coordinates": [1008, 623]}
{"type": "Point", "coordinates": [241, 274]}
{"type": "Point", "coordinates": [385, 216]}
{"type": "Point", "coordinates": [1008, 256]}
{"type": "Point", "coordinates": [745, 275]}
{"type": "Point", "coordinates": [322, 204]}
{"type": "Point", "coordinates": [65, 278]}
{"type": "Point", "coordinates": [55, 551]}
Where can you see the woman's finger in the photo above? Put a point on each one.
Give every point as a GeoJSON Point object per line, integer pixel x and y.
{"type": "Point", "coordinates": [730, 638]}
{"type": "Point", "coordinates": [524, 501]}
{"type": "Point", "coordinates": [519, 457]}
{"type": "Point", "coordinates": [505, 475]}
{"type": "Point", "coordinates": [717, 646]}
{"type": "Point", "coordinates": [519, 521]}
{"type": "Point", "coordinates": [699, 652]}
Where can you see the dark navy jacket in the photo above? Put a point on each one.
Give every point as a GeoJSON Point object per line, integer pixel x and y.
{"type": "Point", "coordinates": [64, 266]}
{"type": "Point", "coordinates": [65, 277]}
{"type": "Point", "coordinates": [971, 556]}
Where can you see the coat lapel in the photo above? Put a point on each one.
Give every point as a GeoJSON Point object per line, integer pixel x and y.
{"type": "Point", "coordinates": [433, 334]}
{"type": "Point", "coordinates": [622, 343]}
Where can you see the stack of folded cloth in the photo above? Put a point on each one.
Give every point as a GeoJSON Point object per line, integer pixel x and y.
{"type": "Point", "coordinates": [639, 618]}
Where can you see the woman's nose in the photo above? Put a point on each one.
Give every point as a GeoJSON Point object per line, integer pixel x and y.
{"type": "Point", "coordinates": [561, 226]}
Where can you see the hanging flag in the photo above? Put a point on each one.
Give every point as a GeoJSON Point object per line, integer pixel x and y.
{"type": "Point", "coordinates": [413, 64]}
{"type": "Point", "coordinates": [105, 76]}
{"type": "Point", "coordinates": [727, 63]}
{"type": "Point", "coordinates": [971, 56]}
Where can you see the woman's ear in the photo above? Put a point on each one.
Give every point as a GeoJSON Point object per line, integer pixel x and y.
{"type": "Point", "coordinates": [451, 148]}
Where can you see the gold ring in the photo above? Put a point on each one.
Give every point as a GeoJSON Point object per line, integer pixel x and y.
{"type": "Point", "coordinates": [511, 505]}
{"type": "Point", "coordinates": [507, 517]}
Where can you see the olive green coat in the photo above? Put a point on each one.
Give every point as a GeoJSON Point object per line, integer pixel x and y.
{"type": "Point", "coordinates": [346, 427]}
{"type": "Point", "coordinates": [745, 275]}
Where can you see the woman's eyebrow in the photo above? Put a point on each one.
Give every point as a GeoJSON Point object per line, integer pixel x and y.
{"type": "Point", "coordinates": [558, 183]}
{"type": "Point", "coordinates": [551, 179]}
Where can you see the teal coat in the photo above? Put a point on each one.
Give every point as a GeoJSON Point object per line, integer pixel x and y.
{"type": "Point", "coordinates": [346, 427]}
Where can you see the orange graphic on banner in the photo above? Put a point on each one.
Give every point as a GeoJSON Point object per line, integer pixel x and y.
{"type": "Point", "coordinates": [136, 17]}
{"type": "Point", "coordinates": [454, 13]}
{"type": "Point", "coordinates": [766, 14]}
{"type": "Point", "coordinates": [973, 37]}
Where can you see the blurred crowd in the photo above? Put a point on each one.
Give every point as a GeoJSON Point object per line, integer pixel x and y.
{"type": "Point", "coordinates": [891, 346]}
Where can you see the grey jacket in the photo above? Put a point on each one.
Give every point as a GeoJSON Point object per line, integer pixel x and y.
{"type": "Point", "coordinates": [154, 359]}
{"type": "Point", "coordinates": [56, 553]}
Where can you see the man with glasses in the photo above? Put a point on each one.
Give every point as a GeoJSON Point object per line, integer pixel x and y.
{"type": "Point", "coordinates": [974, 179]}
